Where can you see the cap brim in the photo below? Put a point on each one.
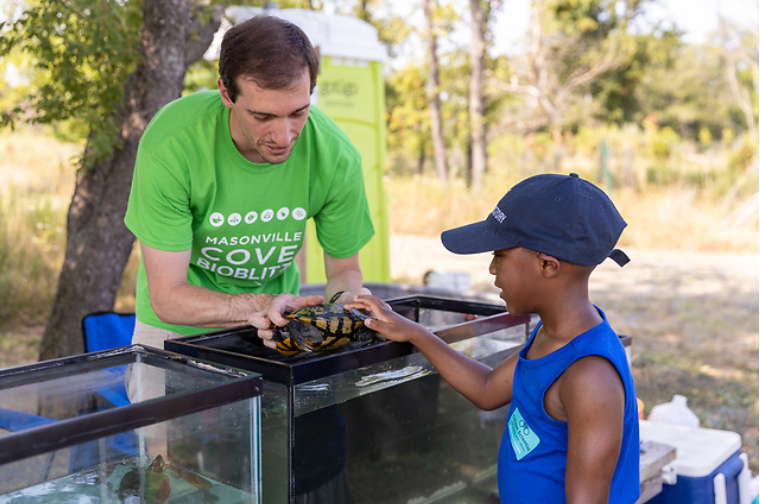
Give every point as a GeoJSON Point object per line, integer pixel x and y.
{"type": "Point", "coordinates": [474, 239]}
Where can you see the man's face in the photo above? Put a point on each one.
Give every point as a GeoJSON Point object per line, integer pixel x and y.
{"type": "Point", "coordinates": [265, 123]}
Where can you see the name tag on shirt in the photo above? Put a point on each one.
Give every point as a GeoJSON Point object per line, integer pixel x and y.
{"type": "Point", "coordinates": [522, 437]}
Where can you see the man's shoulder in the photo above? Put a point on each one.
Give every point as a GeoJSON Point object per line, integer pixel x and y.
{"type": "Point", "coordinates": [207, 99]}
{"type": "Point", "coordinates": [322, 126]}
{"type": "Point", "coordinates": [186, 111]}
{"type": "Point", "coordinates": [319, 116]}
{"type": "Point", "coordinates": [193, 102]}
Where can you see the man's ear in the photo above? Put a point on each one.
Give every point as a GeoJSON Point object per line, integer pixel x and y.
{"type": "Point", "coordinates": [225, 94]}
{"type": "Point", "coordinates": [550, 266]}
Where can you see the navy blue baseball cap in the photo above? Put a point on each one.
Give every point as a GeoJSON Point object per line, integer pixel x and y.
{"type": "Point", "coordinates": [562, 216]}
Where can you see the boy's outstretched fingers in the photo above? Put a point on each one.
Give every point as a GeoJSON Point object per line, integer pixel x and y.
{"type": "Point", "coordinates": [384, 320]}
{"type": "Point", "coordinates": [371, 304]}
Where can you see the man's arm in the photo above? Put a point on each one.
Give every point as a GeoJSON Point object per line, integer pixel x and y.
{"type": "Point", "coordinates": [593, 397]}
{"type": "Point", "coordinates": [175, 301]}
{"type": "Point", "coordinates": [344, 275]}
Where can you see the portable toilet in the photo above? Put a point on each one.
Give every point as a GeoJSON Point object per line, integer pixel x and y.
{"type": "Point", "coordinates": [350, 89]}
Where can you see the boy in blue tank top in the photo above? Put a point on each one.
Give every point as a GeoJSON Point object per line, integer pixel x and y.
{"type": "Point", "coordinates": [572, 428]}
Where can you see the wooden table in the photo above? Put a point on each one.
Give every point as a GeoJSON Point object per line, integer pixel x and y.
{"type": "Point", "coordinates": [654, 456]}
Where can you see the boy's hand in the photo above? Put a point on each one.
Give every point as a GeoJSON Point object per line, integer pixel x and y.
{"type": "Point", "coordinates": [386, 321]}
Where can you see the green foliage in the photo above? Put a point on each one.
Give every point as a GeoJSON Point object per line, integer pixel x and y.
{"type": "Point", "coordinates": [392, 30]}
{"type": "Point", "coordinates": [201, 75]}
{"type": "Point", "coordinates": [83, 52]}
{"type": "Point", "coordinates": [406, 109]}
{"type": "Point", "coordinates": [617, 92]}
{"type": "Point", "coordinates": [741, 158]}
{"type": "Point", "coordinates": [705, 137]}
{"type": "Point", "coordinates": [662, 142]}
{"type": "Point", "coordinates": [691, 94]}
{"type": "Point", "coordinates": [582, 33]}
{"type": "Point", "coordinates": [580, 17]}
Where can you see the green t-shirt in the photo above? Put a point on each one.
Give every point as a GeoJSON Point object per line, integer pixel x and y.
{"type": "Point", "coordinates": [243, 222]}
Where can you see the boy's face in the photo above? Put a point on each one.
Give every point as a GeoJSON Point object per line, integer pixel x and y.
{"type": "Point", "coordinates": [515, 270]}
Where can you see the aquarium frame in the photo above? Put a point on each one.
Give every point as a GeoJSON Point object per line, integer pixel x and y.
{"type": "Point", "coordinates": [73, 431]}
{"type": "Point", "coordinates": [305, 368]}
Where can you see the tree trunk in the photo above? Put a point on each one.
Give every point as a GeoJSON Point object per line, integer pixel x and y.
{"type": "Point", "coordinates": [556, 131]}
{"type": "Point", "coordinates": [735, 57]}
{"type": "Point", "coordinates": [98, 243]}
{"type": "Point", "coordinates": [434, 101]}
{"type": "Point", "coordinates": [477, 94]}
{"type": "Point", "coordinates": [421, 159]}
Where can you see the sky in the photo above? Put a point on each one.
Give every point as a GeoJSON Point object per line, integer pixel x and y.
{"type": "Point", "coordinates": [697, 18]}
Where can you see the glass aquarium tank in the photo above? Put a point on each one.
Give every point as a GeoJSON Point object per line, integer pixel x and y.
{"type": "Point", "coordinates": [375, 424]}
{"type": "Point", "coordinates": [133, 424]}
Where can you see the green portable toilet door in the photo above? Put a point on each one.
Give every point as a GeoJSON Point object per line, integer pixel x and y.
{"type": "Point", "coordinates": [351, 91]}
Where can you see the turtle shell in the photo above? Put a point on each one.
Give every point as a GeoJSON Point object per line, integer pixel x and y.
{"type": "Point", "coordinates": [323, 327]}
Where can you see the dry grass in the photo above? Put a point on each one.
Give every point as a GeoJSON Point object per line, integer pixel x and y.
{"type": "Point", "coordinates": [693, 317]}
{"type": "Point", "coordinates": [38, 180]}
{"type": "Point", "coordinates": [674, 218]}
{"type": "Point", "coordinates": [681, 218]}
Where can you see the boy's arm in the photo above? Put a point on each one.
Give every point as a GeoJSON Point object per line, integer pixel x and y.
{"type": "Point", "coordinates": [485, 387]}
{"type": "Point", "coordinates": [593, 396]}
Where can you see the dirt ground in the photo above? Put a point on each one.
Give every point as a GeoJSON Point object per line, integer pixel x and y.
{"type": "Point", "coordinates": [693, 319]}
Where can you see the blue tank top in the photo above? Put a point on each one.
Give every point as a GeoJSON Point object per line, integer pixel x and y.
{"type": "Point", "coordinates": [533, 452]}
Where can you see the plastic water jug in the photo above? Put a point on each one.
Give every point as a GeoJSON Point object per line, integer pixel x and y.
{"type": "Point", "coordinates": [674, 412]}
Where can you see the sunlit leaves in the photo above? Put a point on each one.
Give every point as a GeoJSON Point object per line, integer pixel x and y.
{"type": "Point", "coordinates": [85, 51]}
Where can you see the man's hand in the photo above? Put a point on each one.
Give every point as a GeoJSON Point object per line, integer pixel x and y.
{"type": "Point", "coordinates": [349, 297]}
{"type": "Point", "coordinates": [344, 275]}
{"type": "Point", "coordinates": [272, 315]}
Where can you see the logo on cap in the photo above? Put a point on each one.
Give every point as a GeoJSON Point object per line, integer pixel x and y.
{"type": "Point", "coordinates": [498, 215]}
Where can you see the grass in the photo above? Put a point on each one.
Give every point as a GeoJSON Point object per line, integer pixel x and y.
{"type": "Point", "coordinates": [694, 323]}
{"type": "Point", "coordinates": [34, 197]}
{"type": "Point", "coordinates": [674, 218]}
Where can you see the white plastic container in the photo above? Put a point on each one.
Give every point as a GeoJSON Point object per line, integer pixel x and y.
{"type": "Point", "coordinates": [709, 467]}
{"type": "Point", "coordinates": [675, 412]}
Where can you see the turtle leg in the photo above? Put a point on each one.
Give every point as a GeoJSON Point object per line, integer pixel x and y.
{"type": "Point", "coordinates": [287, 343]}
{"type": "Point", "coordinates": [306, 336]}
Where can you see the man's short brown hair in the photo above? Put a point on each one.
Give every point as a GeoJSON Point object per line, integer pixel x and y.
{"type": "Point", "coordinates": [269, 51]}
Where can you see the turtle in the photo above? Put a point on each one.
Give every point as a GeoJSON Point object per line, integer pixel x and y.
{"type": "Point", "coordinates": [155, 485]}
{"type": "Point", "coordinates": [156, 481]}
{"type": "Point", "coordinates": [321, 328]}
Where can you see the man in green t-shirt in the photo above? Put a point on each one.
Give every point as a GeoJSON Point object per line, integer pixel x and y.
{"type": "Point", "coordinates": [224, 184]}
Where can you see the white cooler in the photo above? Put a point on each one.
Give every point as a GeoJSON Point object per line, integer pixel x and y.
{"type": "Point", "coordinates": [709, 467]}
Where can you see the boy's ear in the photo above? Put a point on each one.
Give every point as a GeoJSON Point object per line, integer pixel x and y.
{"type": "Point", "coordinates": [550, 266]}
